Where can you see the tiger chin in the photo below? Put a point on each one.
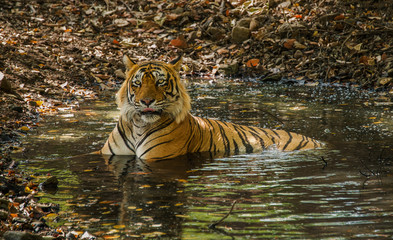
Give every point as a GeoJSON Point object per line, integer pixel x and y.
{"type": "Point", "coordinates": [155, 122]}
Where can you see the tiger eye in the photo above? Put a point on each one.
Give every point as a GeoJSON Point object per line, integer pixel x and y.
{"type": "Point", "coordinates": [161, 81]}
{"type": "Point", "coordinates": [137, 82]}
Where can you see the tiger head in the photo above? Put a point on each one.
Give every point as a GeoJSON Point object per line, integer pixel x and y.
{"type": "Point", "coordinates": [152, 90]}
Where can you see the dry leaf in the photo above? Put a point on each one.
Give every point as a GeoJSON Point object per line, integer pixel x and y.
{"type": "Point", "coordinates": [252, 62]}
{"type": "Point", "coordinates": [289, 43]}
{"type": "Point", "coordinates": [179, 42]}
{"type": "Point", "coordinates": [364, 60]}
{"type": "Point", "coordinates": [339, 17]}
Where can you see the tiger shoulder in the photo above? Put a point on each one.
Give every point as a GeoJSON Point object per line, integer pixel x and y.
{"type": "Point", "coordinates": [155, 120]}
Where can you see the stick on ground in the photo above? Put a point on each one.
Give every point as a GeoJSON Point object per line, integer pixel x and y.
{"type": "Point", "coordinates": [213, 225]}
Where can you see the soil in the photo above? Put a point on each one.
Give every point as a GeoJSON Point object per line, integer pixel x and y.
{"type": "Point", "coordinates": [57, 54]}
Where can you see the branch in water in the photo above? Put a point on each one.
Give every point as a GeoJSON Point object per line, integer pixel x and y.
{"type": "Point", "coordinates": [213, 225]}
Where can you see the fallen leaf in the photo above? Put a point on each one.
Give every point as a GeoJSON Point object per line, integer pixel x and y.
{"type": "Point", "coordinates": [384, 56]}
{"type": "Point", "coordinates": [222, 51]}
{"type": "Point", "coordinates": [119, 226]}
{"type": "Point", "coordinates": [252, 62]}
{"type": "Point", "coordinates": [288, 44]}
{"type": "Point", "coordinates": [364, 60]}
{"type": "Point", "coordinates": [179, 42]}
{"type": "Point", "coordinates": [24, 128]}
{"type": "Point", "coordinates": [339, 17]}
{"type": "Point", "coordinates": [298, 45]}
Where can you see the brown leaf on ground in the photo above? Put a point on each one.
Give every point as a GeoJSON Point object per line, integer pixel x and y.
{"type": "Point", "coordinates": [364, 60]}
{"type": "Point", "coordinates": [288, 44]}
{"type": "Point", "coordinates": [252, 62]}
{"type": "Point", "coordinates": [179, 42]}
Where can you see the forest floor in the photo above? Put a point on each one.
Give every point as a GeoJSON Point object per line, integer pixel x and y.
{"type": "Point", "coordinates": [57, 53]}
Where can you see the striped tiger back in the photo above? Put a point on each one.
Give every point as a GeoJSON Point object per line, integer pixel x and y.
{"type": "Point", "coordinates": [155, 122]}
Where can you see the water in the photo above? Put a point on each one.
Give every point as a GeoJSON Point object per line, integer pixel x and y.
{"type": "Point", "coordinates": [343, 191]}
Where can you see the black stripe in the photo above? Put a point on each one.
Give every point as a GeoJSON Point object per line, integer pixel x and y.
{"type": "Point", "coordinates": [278, 135]}
{"type": "Point", "coordinates": [110, 148]}
{"type": "Point", "coordinates": [261, 141]}
{"type": "Point", "coordinates": [224, 137]}
{"type": "Point", "coordinates": [211, 135]}
{"type": "Point", "coordinates": [150, 132]}
{"type": "Point", "coordinates": [121, 121]}
{"type": "Point", "coordinates": [236, 150]}
{"type": "Point", "coordinates": [289, 141]}
{"type": "Point", "coordinates": [306, 142]}
{"type": "Point", "coordinates": [264, 131]}
{"type": "Point", "coordinates": [200, 134]}
{"type": "Point", "coordinates": [316, 143]}
{"type": "Point", "coordinates": [189, 140]}
{"type": "Point", "coordinates": [125, 139]}
{"type": "Point", "coordinates": [150, 148]}
{"type": "Point", "coordinates": [163, 135]}
{"type": "Point", "coordinates": [245, 140]}
{"type": "Point", "coordinates": [301, 144]}
{"type": "Point", "coordinates": [114, 140]}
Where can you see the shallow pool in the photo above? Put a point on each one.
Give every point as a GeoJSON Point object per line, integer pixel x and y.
{"type": "Point", "coordinates": [344, 191]}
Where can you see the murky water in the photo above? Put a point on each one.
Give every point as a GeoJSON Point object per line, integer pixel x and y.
{"type": "Point", "coordinates": [344, 191]}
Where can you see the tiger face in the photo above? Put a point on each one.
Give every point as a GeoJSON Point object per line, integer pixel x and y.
{"type": "Point", "coordinates": [153, 90]}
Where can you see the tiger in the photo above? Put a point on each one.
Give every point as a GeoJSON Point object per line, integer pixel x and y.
{"type": "Point", "coordinates": [155, 122]}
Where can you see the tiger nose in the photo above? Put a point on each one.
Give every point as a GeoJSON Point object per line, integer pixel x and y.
{"type": "Point", "coordinates": [147, 101]}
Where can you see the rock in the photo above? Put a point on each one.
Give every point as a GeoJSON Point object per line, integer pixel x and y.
{"type": "Point", "coordinates": [5, 85]}
{"type": "Point", "coordinates": [4, 202]}
{"type": "Point", "coordinates": [298, 54]}
{"type": "Point", "coordinates": [273, 78]}
{"type": "Point", "coordinates": [229, 69]}
{"type": "Point", "coordinates": [49, 185]}
{"type": "Point", "coordinates": [15, 235]}
{"type": "Point", "coordinates": [3, 214]}
{"type": "Point", "coordinates": [240, 34]}
{"type": "Point", "coordinates": [244, 22]}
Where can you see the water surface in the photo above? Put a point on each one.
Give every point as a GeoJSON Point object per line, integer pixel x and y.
{"type": "Point", "coordinates": [343, 191]}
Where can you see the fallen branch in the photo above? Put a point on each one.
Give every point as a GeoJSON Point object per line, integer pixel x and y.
{"type": "Point", "coordinates": [213, 225]}
{"type": "Point", "coordinates": [325, 163]}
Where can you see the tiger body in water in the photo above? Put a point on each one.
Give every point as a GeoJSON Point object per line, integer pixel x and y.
{"type": "Point", "coordinates": [155, 121]}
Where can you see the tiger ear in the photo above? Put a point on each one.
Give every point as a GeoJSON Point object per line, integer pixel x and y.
{"type": "Point", "coordinates": [176, 63]}
{"type": "Point", "coordinates": [128, 62]}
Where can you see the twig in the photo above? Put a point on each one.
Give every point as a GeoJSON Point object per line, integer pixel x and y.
{"type": "Point", "coordinates": [128, 7]}
{"type": "Point", "coordinates": [213, 225]}
{"type": "Point", "coordinates": [324, 166]}
{"type": "Point", "coordinates": [366, 175]}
